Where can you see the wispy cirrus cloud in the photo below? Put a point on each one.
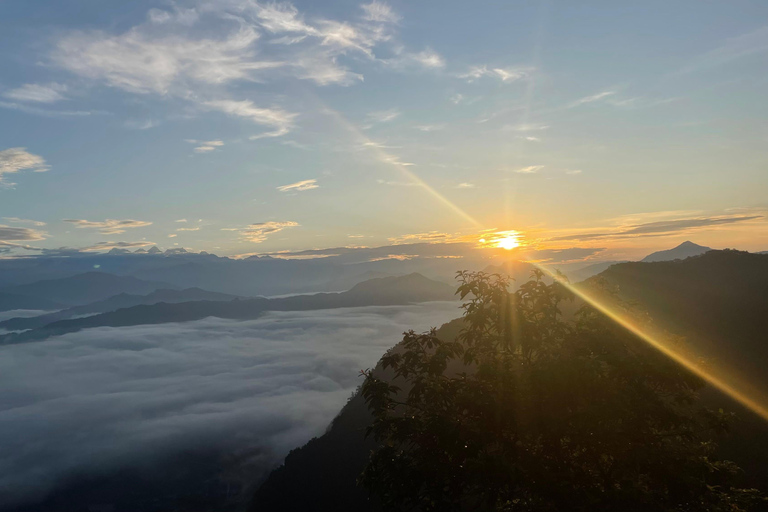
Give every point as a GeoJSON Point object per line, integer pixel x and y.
{"type": "Point", "coordinates": [591, 99]}
{"type": "Point", "coordinates": [279, 120]}
{"type": "Point", "coordinates": [299, 186]}
{"type": "Point", "coordinates": [381, 12]}
{"type": "Point", "coordinates": [13, 160]}
{"type": "Point", "coordinates": [507, 75]}
{"type": "Point", "coordinates": [109, 226]}
{"type": "Point", "coordinates": [37, 93]}
{"type": "Point", "coordinates": [732, 49]}
{"type": "Point", "coordinates": [425, 59]}
{"type": "Point", "coordinates": [383, 116]}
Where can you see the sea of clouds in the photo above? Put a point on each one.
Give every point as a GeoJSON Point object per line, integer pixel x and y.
{"type": "Point", "coordinates": [103, 399]}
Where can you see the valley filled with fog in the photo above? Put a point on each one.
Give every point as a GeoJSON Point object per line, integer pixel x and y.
{"type": "Point", "coordinates": [107, 400]}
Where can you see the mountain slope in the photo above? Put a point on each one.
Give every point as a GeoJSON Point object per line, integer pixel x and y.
{"type": "Point", "coordinates": [303, 481]}
{"type": "Point", "coordinates": [717, 300]}
{"type": "Point", "coordinates": [588, 271]}
{"type": "Point", "coordinates": [85, 288]}
{"type": "Point", "coordinates": [682, 251]}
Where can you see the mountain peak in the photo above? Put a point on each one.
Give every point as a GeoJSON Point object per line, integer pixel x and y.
{"type": "Point", "coordinates": [682, 251]}
{"type": "Point", "coordinates": [688, 243]}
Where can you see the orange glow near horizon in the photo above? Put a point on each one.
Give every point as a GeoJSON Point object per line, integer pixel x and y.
{"type": "Point", "coordinates": [507, 240]}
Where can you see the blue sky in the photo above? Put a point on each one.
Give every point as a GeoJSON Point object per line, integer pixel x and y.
{"type": "Point", "coordinates": [243, 127]}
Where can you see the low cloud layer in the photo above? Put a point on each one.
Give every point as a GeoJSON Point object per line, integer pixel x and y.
{"type": "Point", "coordinates": [111, 398]}
{"type": "Point", "coordinates": [661, 228]}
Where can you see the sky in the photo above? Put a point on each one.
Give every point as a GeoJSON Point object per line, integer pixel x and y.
{"type": "Point", "coordinates": [244, 127]}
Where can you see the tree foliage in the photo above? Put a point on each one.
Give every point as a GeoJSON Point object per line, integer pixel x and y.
{"type": "Point", "coordinates": [529, 411]}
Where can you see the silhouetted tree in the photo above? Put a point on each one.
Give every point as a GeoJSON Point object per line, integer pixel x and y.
{"type": "Point", "coordinates": [527, 411]}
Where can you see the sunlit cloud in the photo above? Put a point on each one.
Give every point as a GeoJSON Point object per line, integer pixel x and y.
{"type": "Point", "coordinates": [17, 220]}
{"type": "Point", "coordinates": [8, 233]}
{"type": "Point", "coordinates": [196, 228]}
{"type": "Point", "coordinates": [109, 226]}
{"type": "Point", "coordinates": [465, 185]}
{"type": "Point", "coordinates": [280, 120]}
{"type": "Point", "coordinates": [299, 186]}
{"type": "Point", "coordinates": [107, 246]}
{"type": "Point", "coordinates": [205, 146]}
{"type": "Point", "coordinates": [259, 232]}
{"type": "Point", "coordinates": [573, 171]}
{"type": "Point", "coordinates": [526, 127]}
{"type": "Point", "coordinates": [14, 160]}
{"type": "Point", "coordinates": [531, 169]}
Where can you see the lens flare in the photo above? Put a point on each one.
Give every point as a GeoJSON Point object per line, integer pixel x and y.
{"type": "Point", "coordinates": [720, 378]}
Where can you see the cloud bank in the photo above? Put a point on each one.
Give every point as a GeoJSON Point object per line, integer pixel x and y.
{"type": "Point", "coordinates": [111, 398]}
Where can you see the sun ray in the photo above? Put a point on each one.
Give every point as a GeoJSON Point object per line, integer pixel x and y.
{"type": "Point", "coordinates": [718, 377]}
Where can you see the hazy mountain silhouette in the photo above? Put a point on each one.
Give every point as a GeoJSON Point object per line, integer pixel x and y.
{"type": "Point", "coordinates": [85, 288]}
{"type": "Point", "coordinates": [11, 301]}
{"type": "Point", "coordinates": [588, 271]}
{"type": "Point", "coordinates": [375, 292]}
{"type": "Point", "coordinates": [253, 276]}
{"type": "Point", "coordinates": [682, 251]}
{"type": "Point", "coordinates": [716, 299]}
{"type": "Point", "coordinates": [123, 300]}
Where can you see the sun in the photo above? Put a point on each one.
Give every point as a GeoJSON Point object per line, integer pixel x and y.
{"type": "Point", "coordinates": [509, 242]}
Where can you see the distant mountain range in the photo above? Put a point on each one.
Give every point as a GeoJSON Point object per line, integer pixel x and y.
{"type": "Point", "coordinates": [383, 291]}
{"type": "Point", "coordinates": [84, 288]}
{"type": "Point", "coordinates": [716, 299]}
{"type": "Point", "coordinates": [253, 276]}
{"type": "Point", "coordinates": [123, 300]}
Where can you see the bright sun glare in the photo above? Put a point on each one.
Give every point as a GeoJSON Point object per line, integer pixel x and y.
{"type": "Point", "coordinates": [509, 242]}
